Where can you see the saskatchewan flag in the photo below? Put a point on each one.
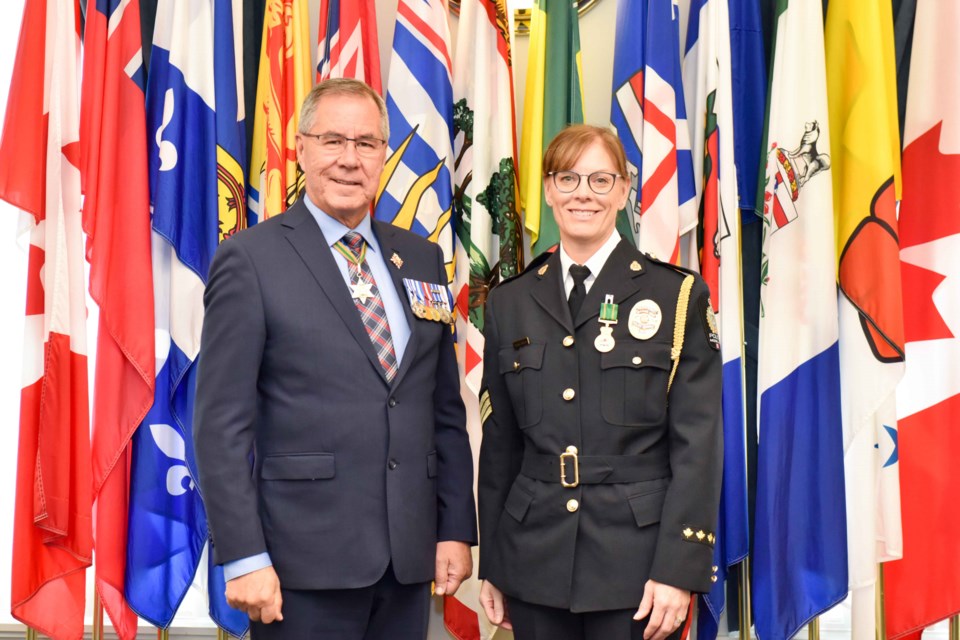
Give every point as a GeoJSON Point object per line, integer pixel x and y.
{"type": "Point", "coordinates": [553, 99]}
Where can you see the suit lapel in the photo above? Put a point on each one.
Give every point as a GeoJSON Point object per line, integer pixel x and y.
{"type": "Point", "coordinates": [548, 291]}
{"type": "Point", "coordinates": [620, 276]}
{"type": "Point", "coordinates": [308, 241]}
{"type": "Point", "coordinates": [389, 244]}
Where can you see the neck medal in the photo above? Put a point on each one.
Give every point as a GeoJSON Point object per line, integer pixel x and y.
{"type": "Point", "coordinates": [361, 290]}
{"type": "Point", "coordinates": [608, 317]}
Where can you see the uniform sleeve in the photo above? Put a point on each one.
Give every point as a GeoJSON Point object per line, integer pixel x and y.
{"type": "Point", "coordinates": [234, 331]}
{"type": "Point", "coordinates": [501, 451]}
{"type": "Point", "coordinates": [684, 553]}
{"type": "Point", "coordinates": [456, 510]}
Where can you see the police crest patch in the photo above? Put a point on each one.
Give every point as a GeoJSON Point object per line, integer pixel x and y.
{"type": "Point", "coordinates": [710, 323]}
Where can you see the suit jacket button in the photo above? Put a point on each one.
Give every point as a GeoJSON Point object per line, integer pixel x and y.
{"type": "Point", "coordinates": [392, 464]}
{"type": "Point", "coordinates": [568, 341]}
{"type": "Point", "coordinates": [392, 402]}
{"type": "Point", "coordinates": [568, 394]}
{"type": "Point", "coordinates": [572, 505]}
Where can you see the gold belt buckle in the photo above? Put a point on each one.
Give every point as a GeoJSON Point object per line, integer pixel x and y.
{"type": "Point", "coordinates": [570, 453]}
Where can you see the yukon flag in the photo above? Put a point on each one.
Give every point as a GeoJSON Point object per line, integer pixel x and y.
{"type": "Point", "coordinates": [416, 188]}
{"type": "Point", "coordinates": [489, 232]}
{"type": "Point", "coordinates": [924, 587]}
{"type": "Point", "coordinates": [649, 113]}
{"type": "Point", "coordinates": [275, 179]}
{"type": "Point", "coordinates": [347, 42]}
{"type": "Point", "coordinates": [709, 93]}
{"type": "Point", "coordinates": [39, 174]}
{"type": "Point", "coordinates": [116, 217]}
{"type": "Point", "coordinates": [553, 99]}
{"type": "Point", "coordinates": [865, 145]}
{"type": "Point", "coordinates": [797, 576]}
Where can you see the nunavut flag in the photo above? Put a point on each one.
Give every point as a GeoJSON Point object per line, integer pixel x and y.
{"type": "Point", "coordinates": [39, 173]}
{"type": "Point", "coordinates": [347, 42]}
{"type": "Point", "coordinates": [116, 216]}
{"type": "Point", "coordinates": [924, 587]}
{"type": "Point", "coordinates": [865, 145]}
{"type": "Point", "coordinates": [275, 179]}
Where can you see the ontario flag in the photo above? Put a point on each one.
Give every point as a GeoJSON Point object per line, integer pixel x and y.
{"type": "Point", "coordinates": [116, 216]}
{"type": "Point", "coordinates": [416, 189]}
{"type": "Point", "coordinates": [865, 144]}
{"type": "Point", "coordinates": [489, 231]}
{"type": "Point", "coordinates": [800, 451]}
{"type": "Point", "coordinates": [709, 94]}
{"type": "Point", "coordinates": [924, 587]}
{"type": "Point", "coordinates": [283, 81]}
{"type": "Point", "coordinates": [649, 114]}
{"type": "Point", "coordinates": [40, 174]}
{"type": "Point", "coordinates": [347, 42]}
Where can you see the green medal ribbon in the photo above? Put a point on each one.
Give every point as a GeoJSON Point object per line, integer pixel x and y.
{"type": "Point", "coordinates": [345, 251]}
{"type": "Point", "coordinates": [609, 310]}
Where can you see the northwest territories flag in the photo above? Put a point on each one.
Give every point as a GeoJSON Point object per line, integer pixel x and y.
{"type": "Point", "coordinates": [798, 574]}
{"type": "Point", "coordinates": [167, 521]}
{"type": "Point", "coordinates": [416, 189]}
{"type": "Point", "coordinates": [649, 114]}
{"type": "Point", "coordinates": [709, 93]}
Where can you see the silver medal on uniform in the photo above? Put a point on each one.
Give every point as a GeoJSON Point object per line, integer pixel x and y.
{"type": "Point", "coordinates": [644, 321]}
{"type": "Point", "coordinates": [608, 317]}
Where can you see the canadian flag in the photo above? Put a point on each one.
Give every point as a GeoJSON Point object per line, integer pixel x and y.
{"type": "Point", "coordinates": [39, 174]}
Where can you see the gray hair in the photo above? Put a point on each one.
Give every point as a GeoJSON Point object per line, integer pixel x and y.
{"type": "Point", "coordinates": [342, 87]}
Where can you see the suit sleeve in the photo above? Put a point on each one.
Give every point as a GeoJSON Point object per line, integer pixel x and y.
{"type": "Point", "coordinates": [501, 451]}
{"type": "Point", "coordinates": [234, 332]}
{"type": "Point", "coordinates": [684, 553]}
{"type": "Point", "coordinates": [456, 510]}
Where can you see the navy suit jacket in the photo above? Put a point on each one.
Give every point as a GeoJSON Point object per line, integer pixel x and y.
{"type": "Point", "coordinates": [349, 472]}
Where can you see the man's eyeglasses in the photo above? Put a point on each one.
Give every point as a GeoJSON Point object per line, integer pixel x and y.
{"type": "Point", "coordinates": [334, 143]}
{"type": "Point", "coordinates": [600, 182]}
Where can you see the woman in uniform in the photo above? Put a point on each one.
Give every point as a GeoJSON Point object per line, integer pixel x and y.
{"type": "Point", "coordinates": [599, 476]}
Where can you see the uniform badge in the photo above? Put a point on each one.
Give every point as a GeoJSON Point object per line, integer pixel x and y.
{"type": "Point", "coordinates": [608, 317]}
{"type": "Point", "coordinates": [712, 330]}
{"type": "Point", "coordinates": [635, 266]}
{"type": "Point", "coordinates": [542, 270]}
{"type": "Point", "coordinates": [645, 318]}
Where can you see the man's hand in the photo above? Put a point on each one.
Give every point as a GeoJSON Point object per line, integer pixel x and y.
{"type": "Point", "coordinates": [667, 607]}
{"type": "Point", "coordinates": [454, 564]}
{"type": "Point", "coordinates": [494, 605]}
{"type": "Point", "coordinates": [257, 594]}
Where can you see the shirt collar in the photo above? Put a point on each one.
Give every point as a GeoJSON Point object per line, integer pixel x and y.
{"type": "Point", "coordinates": [596, 261]}
{"type": "Point", "coordinates": [333, 230]}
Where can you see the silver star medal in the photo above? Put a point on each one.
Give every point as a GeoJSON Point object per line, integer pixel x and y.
{"type": "Point", "coordinates": [361, 290]}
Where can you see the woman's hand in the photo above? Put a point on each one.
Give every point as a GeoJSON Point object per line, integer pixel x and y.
{"type": "Point", "coordinates": [494, 605]}
{"type": "Point", "coordinates": [667, 607]}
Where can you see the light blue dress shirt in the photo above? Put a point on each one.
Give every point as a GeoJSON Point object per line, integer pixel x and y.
{"type": "Point", "coordinates": [333, 230]}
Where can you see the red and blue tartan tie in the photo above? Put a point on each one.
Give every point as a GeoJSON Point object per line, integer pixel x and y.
{"type": "Point", "coordinates": [353, 247]}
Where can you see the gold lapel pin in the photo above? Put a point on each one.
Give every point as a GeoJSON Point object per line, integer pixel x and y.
{"type": "Point", "coordinates": [396, 260]}
{"type": "Point", "coordinates": [635, 266]}
{"type": "Point", "coordinates": [542, 270]}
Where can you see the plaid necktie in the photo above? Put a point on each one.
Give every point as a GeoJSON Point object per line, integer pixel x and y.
{"type": "Point", "coordinates": [367, 298]}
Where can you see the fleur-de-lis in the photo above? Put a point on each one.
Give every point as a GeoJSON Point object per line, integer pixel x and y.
{"type": "Point", "coordinates": [170, 442]}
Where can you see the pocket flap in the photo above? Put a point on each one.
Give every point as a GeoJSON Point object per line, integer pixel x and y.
{"type": "Point", "coordinates": [298, 466]}
{"type": "Point", "coordinates": [637, 354]}
{"type": "Point", "coordinates": [527, 357]}
{"type": "Point", "coordinates": [432, 464]}
{"type": "Point", "coordinates": [517, 503]}
{"type": "Point", "coordinates": [647, 507]}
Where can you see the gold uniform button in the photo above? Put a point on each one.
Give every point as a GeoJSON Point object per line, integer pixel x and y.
{"type": "Point", "coordinates": [568, 341]}
{"type": "Point", "coordinates": [572, 505]}
{"type": "Point", "coordinates": [713, 578]}
{"type": "Point", "coordinates": [572, 449]}
{"type": "Point", "coordinates": [637, 360]}
{"type": "Point", "coordinates": [516, 365]}
{"type": "Point", "coordinates": [568, 394]}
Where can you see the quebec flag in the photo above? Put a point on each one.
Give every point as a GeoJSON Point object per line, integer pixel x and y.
{"type": "Point", "coordinates": [168, 527]}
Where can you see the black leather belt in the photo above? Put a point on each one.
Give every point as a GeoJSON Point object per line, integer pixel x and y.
{"type": "Point", "coordinates": [593, 469]}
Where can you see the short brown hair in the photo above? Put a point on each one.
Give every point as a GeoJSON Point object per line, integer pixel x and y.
{"type": "Point", "coordinates": [567, 146]}
{"type": "Point", "coordinates": [342, 87]}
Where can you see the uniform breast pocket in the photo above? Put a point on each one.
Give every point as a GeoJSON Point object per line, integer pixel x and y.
{"type": "Point", "coordinates": [633, 382]}
{"type": "Point", "coordinates": [521, 371]}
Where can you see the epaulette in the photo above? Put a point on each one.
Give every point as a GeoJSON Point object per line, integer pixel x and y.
{"type": "Point", "coordinates": [675, 267]}
{"type": "Point", "coordinates": [531, 266]}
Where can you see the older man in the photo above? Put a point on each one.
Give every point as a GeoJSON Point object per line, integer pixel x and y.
{"type": "Point", "coordinates": [326, 352]}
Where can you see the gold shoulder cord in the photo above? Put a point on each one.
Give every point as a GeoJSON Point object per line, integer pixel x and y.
{"type": "Point", "coordinates": [679, 326]}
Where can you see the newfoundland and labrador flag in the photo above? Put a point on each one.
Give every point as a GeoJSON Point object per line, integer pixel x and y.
{"type": "Point", "coordinates": [798, 573]}
{"type": "Point", "coordinates": [347, 42]}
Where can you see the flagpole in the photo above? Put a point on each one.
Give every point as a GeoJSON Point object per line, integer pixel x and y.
{"type": "Point", "coordinates": [221, 634]}
{"type": "Point", "coordinates": [97, 632]}
{"type": "Point", "coordinates": [813, 629]}
{"type": "Point", "coordinates": [31, 633]}
{"type": "Point", "coordinates": [955, 628]}
{"type": "Point", "coordinates": [745, 621]}
{"type": "Point", "coordinates": [881, 611]}
{"type": "Point", "coordinates": [163, 634]}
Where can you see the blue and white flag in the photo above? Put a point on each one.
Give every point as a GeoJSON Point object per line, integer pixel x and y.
{"type": "Point", "coordinates": [800, 552]}
{"type": "Point", "coordinates": [749, 75]}
{"type": "Point", "coordinates": [417, 183]}
{"type": "Point", "coordinates": [168, 526]}
{"type": "Point", "coordinates": [709, 91]}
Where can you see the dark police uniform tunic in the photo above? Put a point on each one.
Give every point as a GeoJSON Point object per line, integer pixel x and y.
{"type": "Point", "coordinates": [649, 461]}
